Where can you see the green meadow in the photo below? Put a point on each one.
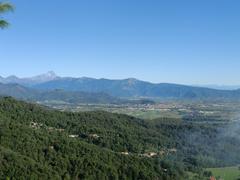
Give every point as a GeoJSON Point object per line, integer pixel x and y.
{"type": "Point", "coordinates": [227, 173]}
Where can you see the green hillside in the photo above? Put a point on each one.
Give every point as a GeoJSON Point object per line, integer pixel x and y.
{"type": "Point", "coordinates": [40, 143]}
{"type": "Point", "coordinates": [37, 143]}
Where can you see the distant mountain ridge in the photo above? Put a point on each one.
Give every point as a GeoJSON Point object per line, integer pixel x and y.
{"type": "Point", "coordinates": [219, 87]}
{"type": "Point", "coordinates": [136, 88]}
{"type": "Point", "coordinates": [127, 88]}
{"type": "Point", "coordinates": [29, 81]}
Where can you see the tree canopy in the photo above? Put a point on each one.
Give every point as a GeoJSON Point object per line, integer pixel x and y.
{"type": "Point", "coordinates": [4, 7]}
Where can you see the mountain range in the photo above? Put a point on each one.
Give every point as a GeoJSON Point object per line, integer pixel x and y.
{"type": "Point", "coordinates": [126, 88]}
{"type": "Point", "coordinates": [29, 81]}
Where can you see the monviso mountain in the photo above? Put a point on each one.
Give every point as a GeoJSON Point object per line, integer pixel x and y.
{"type": "Point", "coordinates": [29, 81]}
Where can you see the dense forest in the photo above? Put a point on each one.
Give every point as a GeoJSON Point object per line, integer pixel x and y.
{"type": "Point", "coordinates": [40, 143]}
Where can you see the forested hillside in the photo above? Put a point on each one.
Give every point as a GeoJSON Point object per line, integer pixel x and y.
{"type": "Point", "coordinates": [37, 142]}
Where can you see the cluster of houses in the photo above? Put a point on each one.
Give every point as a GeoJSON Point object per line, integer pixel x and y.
{"type": "Point", "coordinates": [154, 154]}
{"type": "Point", "coordinates": [94, 136]}
{"type": "Point", "coordinates": [35, 125]}
{"type": "Point", "coordinates": [51, 129]}
{"type": "Point", "coordinates": [149, 154]}
{"type": "Point", "coordinates": [73, 136]}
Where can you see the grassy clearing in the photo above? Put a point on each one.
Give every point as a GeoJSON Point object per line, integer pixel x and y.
{"type": "Point", "coordinates": [227, 173]}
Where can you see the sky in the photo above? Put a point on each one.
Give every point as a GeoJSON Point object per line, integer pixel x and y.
{"type": "Point", "coordinates": [185, 42]}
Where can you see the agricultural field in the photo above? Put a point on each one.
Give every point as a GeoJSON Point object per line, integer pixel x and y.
{"type": "Point", "coordinates": [227, 173]}
{"type": "Point", "coordinates": [189, 110]}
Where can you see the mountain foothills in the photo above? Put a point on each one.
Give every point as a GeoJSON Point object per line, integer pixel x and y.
{"type": "Point", "coordinates": [128, 88]}
{"type": "Point", "coordinates": [41, 143]}
{"type": "Point", "coordinates": [73, 97]}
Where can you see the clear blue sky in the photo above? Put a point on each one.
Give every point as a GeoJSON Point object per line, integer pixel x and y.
{"type": "Point", "coordinates": [178, 41]}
